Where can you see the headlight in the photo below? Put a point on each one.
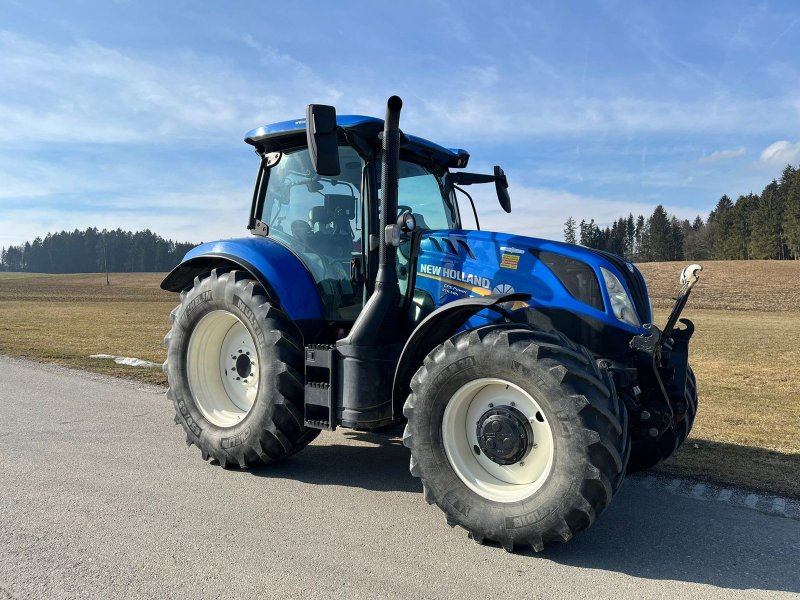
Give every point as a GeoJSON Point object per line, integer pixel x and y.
{"type": "Point", "coordinates": [620, 301]}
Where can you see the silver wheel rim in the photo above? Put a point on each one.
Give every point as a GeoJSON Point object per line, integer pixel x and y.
{"type": "Point", "coordinates": [222, 368]}
{"type": "Point", "coordinates": [500, 483]}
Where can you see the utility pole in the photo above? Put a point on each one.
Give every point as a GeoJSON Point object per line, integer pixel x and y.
{"type": "Point", "coordinates": [105, 260]}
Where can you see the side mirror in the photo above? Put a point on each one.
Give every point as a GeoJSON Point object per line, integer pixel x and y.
{"type": "Point", "coordinates": [501, 185]}
{"type": "Point", "coordinates": [323, 139]}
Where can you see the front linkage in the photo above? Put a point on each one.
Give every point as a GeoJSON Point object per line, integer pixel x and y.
{"type": "Point", "coordinates": [662, 359]}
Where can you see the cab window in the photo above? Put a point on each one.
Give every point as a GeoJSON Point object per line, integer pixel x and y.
{"type": "Point", "coordinates": [319, 218]}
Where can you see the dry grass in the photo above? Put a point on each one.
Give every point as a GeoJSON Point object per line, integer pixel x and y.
{"type": "Point", "coordinates": [745, 353]}
{"type": "Point", "coordinates": [746, 432]}
{"type": "Point", "coordinates": [747, 360]}
{"type": "Point", "coordinates": [63, 319]}
{"type": "Point", "coordinates": [763, 285]}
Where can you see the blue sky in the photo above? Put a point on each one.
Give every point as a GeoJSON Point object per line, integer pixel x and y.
{"type": "Point", "coordinates": [131, 113]}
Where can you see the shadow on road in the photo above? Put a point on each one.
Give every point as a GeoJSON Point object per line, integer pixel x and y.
{"type": "Point", "coordinates": [760, 469]}
{"type": "Point", "coordinates": [382, 467]}
{"type": "Point", "coordinates": [645, 533]}
{"type": "Point", "coordinates": [656, 535]}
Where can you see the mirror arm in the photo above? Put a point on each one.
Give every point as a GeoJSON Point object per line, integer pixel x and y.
{"type": "Point", "coordinates": [472, 204]}
{"type": "Point", "coordinates": [462, 178]}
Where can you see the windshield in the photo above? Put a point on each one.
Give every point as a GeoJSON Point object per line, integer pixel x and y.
{"type": "Point", "coordinates": [421, 192]}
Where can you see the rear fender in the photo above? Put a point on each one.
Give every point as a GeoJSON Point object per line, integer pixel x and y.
{"type": "Point", "coordinates": [286, 280]}
{"type": "Point", "coordinates": [437, 327]}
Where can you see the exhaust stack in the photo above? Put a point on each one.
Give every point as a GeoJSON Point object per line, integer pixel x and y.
{"type": "Point", "coordinates": [377, 322]}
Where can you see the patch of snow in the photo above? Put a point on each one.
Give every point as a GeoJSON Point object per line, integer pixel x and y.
{"type": "Point", "coordinates": [126, 360]}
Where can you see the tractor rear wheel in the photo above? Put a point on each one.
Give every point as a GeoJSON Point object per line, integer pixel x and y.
{"type": "Point", "coordinates": [516, 434]}
{"type": "Point", "coordinates": [647, 453]}
{"type": "Point", "coordinates": [234, 367]}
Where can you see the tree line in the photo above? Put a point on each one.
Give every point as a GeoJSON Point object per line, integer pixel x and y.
{"type": "Point", "coordinates": [755, 226]}
{"type": "Point", "coordinates": [92, 251]}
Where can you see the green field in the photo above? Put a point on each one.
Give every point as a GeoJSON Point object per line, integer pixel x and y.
{"type": "Point", "coordinates": [745, 353]}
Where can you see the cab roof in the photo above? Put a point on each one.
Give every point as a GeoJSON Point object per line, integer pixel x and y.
{"type": "Point", "coordinates": [291, 134]}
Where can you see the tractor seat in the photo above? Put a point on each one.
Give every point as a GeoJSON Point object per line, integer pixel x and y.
{"type": "Point", "coordinates": [327, 236]}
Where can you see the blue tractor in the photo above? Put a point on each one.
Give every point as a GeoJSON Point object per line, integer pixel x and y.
{"type": "Point", "coordinates": [527, 372]}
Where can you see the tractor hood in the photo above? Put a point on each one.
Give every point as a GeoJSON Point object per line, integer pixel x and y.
{"type": "Point", "coordinates": [454, 264]}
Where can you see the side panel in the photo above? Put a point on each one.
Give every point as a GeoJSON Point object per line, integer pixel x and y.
{"type": "Point", "coordinates": [283, 274]}
{"type": "Point", "coordinates": [458, 264]}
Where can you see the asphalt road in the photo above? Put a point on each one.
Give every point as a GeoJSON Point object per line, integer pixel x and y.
{"type": "Point", "coordinates": [100, 497]}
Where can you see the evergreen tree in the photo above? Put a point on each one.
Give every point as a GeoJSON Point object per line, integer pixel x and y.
{"type": "Point", "coordinates": [569, 231]}
{"type": "Point", "coordinates": [639, 236]}
{"type": "Point", "coordinates": [792, 216]}
{"type": "Point", "coordinates": [659, 235]}
{"type": "Point", "coordinates": [765, 231]}
{"type": "Point", "coordinates": [630, 237]}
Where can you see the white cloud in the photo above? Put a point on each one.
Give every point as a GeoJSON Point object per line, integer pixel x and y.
{"type": "Point", "coordinates": [782, 152]}
{"type": "Point", "coordinates": [89, 93]}
{"type": "Point", "coordinates": [718, 155]}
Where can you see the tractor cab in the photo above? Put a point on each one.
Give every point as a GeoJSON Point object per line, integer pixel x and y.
{"type": "Point", "coordinates": [331, 221]}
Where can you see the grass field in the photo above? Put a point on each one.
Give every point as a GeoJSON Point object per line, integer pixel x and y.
{"type": "Point", "coordinates": [745, 353]}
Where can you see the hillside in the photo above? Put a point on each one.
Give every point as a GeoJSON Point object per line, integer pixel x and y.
{"type": "Point", "coordinates": [765, 285]}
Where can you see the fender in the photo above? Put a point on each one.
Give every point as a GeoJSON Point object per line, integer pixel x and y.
{"type": "Point", "coordinates": [285, 278]}
{"type": "Point", "coordinates": [438, 326]}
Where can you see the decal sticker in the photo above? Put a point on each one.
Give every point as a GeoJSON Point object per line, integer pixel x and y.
{"type": "Point", "coordinates": [512, 250]}
{"type": "Point", "coordinates": [503, 288]}
{"type": "Point", "coordinates": [469, 281]}
{"type": "Point", "coordinates": [509, 261]}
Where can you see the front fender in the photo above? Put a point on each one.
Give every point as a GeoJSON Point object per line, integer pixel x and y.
{"type": "Point", "coordinates": [285, 278]}
{"type": "Point", "coordinates": [438, 326]}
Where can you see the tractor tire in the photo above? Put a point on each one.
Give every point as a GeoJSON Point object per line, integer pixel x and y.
{"type": "Point", "coordinates": [577, 442]}
{"type": "Point", "coordinates": [235, 372]}
{"type": "Point", "coordinates": [647, 453]}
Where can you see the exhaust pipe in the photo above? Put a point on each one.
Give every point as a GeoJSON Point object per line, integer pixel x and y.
{"type": "Point", "coordinates": [377, 322]}
{"type": "Point", "coordinates": [387, 267]}
{"type": "Point", "coordinates": [367, 357]}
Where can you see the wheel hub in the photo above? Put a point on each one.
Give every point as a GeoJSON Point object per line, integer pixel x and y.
{"type": "Point", "coordinates": [504, 435]}
{"type": "Point", "coordinates": [243, 366]}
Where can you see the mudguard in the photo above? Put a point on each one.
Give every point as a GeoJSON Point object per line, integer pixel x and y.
{"type": "Point", "coordinates": [285, 278]}
{"type": "Point", "coordinates": [438, 326]}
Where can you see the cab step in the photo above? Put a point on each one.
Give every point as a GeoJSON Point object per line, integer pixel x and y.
{"type": "Point", "coordinates": [319, 410]}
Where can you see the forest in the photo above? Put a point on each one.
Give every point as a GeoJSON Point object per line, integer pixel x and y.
{"type": "Point", "coordinates": [756, 226]}
{"type": "Point", "coordinates": [92, 251]}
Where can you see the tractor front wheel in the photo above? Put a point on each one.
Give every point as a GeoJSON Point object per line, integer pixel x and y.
{"type": "Point", "coordinates": [517, 435]}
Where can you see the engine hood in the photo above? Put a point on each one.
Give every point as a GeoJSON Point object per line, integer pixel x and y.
{"type": "Point", "coordinates": [457, 263]}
